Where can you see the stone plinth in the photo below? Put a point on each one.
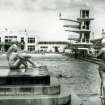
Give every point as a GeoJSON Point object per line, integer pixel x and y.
{"type": "Point", "coordinates": [25, 80]}
{"type": "Point", "coordinates": [34, 87]}
{"type": "Point", "coordinates": [31, 90]}
{"type": "Point", "coordinates": [35, 76]}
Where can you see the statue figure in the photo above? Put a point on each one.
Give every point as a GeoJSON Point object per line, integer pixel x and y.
{"type": "Point", "coordinates": [16, 59]}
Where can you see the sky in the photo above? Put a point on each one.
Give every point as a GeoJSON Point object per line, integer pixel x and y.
{"type": "Point", "coordinates": [42, 16]}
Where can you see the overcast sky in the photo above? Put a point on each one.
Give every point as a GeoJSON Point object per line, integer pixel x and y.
{"type": "Point", "coordinates": [42, 16]}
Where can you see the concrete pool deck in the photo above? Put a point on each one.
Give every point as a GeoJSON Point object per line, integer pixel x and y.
{"type": "Point", "coordinates": [57, 62]}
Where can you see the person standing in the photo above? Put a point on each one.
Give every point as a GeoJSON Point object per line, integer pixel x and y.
{"type": "Point", "coordinates": [101, 70]}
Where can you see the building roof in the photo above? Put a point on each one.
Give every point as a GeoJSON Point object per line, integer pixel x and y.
{"type": "Point", "coordinates": [53, 42]}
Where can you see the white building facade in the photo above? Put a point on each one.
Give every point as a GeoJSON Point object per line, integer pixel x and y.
{"type": "Point", "coordinates": [52, 46]}
{"type": "Point", "coordinates": [28, 40]}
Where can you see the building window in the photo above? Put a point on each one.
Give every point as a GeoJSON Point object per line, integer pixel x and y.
{"type": "Point", "coordinates": [0, 44]}
{"type": "Point", "coordinates": [31, 40]}
{"type": "Point", "coordinates": [22, 39]}
{"type": "Point", "coordinates": [44, 47]}
{"type": "Point", "coordinates": [10, 38]}
{"type": "Point", "coordinates": [22, 43]}
{"type": "Point", "coordinates": [86, 25]}
{"type": "Point", "coordinates": [85, 13]}
{"type": "Point", "coordinates": [31, 48]}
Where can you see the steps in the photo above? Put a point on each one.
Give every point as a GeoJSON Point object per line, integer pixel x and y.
{"type": "Point", "coordinates": [37, 100]}
{"type": "Point", "coordinates": [26, 90]}
{"type": "Point", "coordinates": [49, 92]}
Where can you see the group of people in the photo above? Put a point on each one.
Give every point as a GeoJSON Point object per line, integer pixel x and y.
{"type": "Point", "coordinates": [16, 59]}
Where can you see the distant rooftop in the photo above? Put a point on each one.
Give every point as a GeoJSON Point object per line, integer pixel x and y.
{"type": "Point", "coordinates": [53, 42]}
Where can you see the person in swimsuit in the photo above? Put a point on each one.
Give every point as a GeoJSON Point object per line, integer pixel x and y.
{"type": "Point", "coordinates": [101, 69]}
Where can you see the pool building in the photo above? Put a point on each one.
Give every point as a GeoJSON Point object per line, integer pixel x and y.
{"type": "Point", "coordinates": [29, 42]}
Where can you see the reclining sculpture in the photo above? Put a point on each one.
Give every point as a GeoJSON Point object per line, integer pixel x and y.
{"type": "Point", "coordinates": [18, 60]}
